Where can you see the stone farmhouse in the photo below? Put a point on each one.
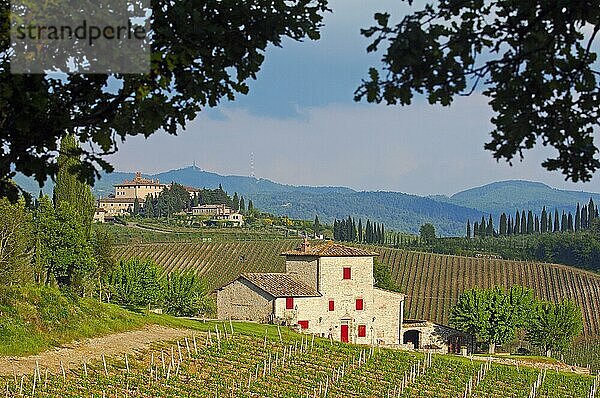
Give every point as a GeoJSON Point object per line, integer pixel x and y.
{"type": "Point", "coordinates": [328, 290]}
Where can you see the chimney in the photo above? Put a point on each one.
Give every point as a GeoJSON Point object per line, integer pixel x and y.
{"type": "Point", "coordinates": [304, 245]}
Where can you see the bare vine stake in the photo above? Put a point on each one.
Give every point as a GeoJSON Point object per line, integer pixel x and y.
{"type": "Point", "coordinates": [127, 362]}
{"type": "Point", "coordinates": [162, 358]}
{"type": "Point", "coordinates": [46, 379]}
{"type": "Point", "coordinates": [63, 371]}
{"type": "Point", "coordinates": [187, 347]}
{"type": "Point", "coordinates": [37, 367]}
{"type": "Point", "coordinates": [231, 326]}
{"type": "Point", "coordinates": [179, 351]}
{"type": "Point", "coordinates": [172, 357]}
{"type": "Point", "coordinates": [34, 381]}
{"type": "Point", "coordinates": [104, 363]}
{"type": "Point", "coordinates": [7, 390]}
{"type": "Point", "coordinates": [195, 346]}
{"type": "Point", "coordinates": [21, 388]}
{"type": "Point", "coordinates": [84, 366]}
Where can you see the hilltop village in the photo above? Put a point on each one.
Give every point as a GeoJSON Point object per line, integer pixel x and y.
{"type": "Point", "coordinates": [132, 197]}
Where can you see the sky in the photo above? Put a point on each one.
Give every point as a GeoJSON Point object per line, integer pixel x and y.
{"type": "Point", "coordinates": [303, 128]}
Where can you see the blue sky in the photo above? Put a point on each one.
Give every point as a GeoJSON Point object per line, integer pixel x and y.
{"type": "Point", "coordinates": [302, 125]}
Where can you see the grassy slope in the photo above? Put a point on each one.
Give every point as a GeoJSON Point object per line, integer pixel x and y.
{"type": "Point", "coordinates": [36, 318]}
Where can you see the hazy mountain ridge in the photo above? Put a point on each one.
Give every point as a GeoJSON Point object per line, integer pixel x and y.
{"type": "Point", "coordinates": [508, 196]}
{"type": "Point", "coordinates": [398, 211]}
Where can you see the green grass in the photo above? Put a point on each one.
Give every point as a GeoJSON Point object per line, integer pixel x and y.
{"type": "Point", "coordinates": [36, 318]}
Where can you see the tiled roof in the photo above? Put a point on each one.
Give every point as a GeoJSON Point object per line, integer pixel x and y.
{"type": "Point", "coordinates": [329, 249]}
{"type": "Point", "coordinates": [280, 285]}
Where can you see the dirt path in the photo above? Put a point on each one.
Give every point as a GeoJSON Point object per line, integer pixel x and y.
{"type": "Point", "coordinates": [72, 354]}
{"type": "Point", "coordinates": [539, 365]}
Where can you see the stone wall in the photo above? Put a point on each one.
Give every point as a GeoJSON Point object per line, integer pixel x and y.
{"type": "Point", "coordinates": [433, 336]}
{"type": "Point", "coordinates": [304, 268]}
{"type": "Point", "coordinates": [241, 300]}
{"type": "Point", "coordinates": [388, 312]}
{"type": "Point", "coordinates": [344, 293]}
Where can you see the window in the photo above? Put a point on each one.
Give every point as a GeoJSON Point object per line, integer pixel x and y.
{"type": "Point", "coordinates": [289, 303]}
{"type": "Point", "coordinates": [359, 304]}
{"type": "Point", "coordinates": [362, 330]}
{"type": "Point", "coordinates": [347, 273]}
{"type": "Point", "coordinates": [331, 305]}
{"type": "Point", "coordinates": [303, 324]}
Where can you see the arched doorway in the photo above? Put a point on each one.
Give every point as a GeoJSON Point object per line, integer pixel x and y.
{"type": "Point", "coordinates": [412, 337]}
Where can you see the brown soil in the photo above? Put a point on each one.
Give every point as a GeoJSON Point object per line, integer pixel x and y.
{"type": "Point", "coordinates": [72, 355]}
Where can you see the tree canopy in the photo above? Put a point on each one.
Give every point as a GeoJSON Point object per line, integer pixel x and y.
{"type": "Point", "coordinates": [534, 60]}
{"type": "Point", "coordinates": [224, 46]}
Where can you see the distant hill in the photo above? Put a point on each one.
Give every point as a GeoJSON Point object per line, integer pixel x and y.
{"type": "Point", "coordinates": [398, 211]}
{"type": "Point", "coordinates": [507, 196]}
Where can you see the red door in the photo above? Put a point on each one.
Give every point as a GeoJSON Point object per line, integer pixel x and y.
{"type": "Point", "coordinates": [344, 333]}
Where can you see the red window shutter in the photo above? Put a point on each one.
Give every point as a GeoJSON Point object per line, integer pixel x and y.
{"type": "Point", "coordinates": [289, 303]}
{"type": "Point", "coordinates": [347, 273]}
{"type": "Point", "coordinates": [303, 324]}
{"type": "Point", "coordinates": [362, 330]}
{"type": "Point", "coordinates": [359, 304]}
{"type": "Point", "coordinates": [331, 305]}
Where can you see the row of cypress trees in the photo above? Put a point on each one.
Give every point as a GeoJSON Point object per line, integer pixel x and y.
{"type": "Point", "coordinates": [348, 230]}
{"type": "Point", "coordinates": [522, 224]}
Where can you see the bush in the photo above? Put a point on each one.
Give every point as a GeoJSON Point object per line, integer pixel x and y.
{"type": "Point", "coordinates": [136, 282]}
{"type": "Point", "coordinates": [186, 296]}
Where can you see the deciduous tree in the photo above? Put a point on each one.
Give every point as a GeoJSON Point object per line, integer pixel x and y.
{"type": "Point", "coordinates": [535, 61]}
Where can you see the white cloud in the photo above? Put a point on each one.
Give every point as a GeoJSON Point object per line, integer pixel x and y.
{"type": "Point", "coordinates": [418, 149]}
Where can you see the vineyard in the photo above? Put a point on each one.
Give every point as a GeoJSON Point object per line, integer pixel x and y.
{"type": "Point", "coordinates": [432, 282]}
{"type": "Point", "coordinates": [226, 362]}
{"type": "Point", "coordinates": [217, 262]}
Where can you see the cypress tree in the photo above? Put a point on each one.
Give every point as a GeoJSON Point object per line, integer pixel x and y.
{"type": "Point", "coordinates": [367, 231]}
{"type": "Point", "coordinates": [236, 202]}
{"type": "Point", "coordinates": [577, 218]}
{"type": "Point", "coordinates": [382, 234]}
{"type": "Point", "coordinates": [475, 230]}
{"type": "Point", "coordinates": [503, 225]}
{"type": "Point", "coordinates": [591, 212]}
{"type": "Point", "coordinates": [537, 224]}
{"type": "Point", "coordinates": [242, 206]}
{"type": "Point", "coordinates": [316, 225]}
{"type": "Point", "coordinates": [360, 231]}
{"type": "Point", "coordinates": [468, 229]}
{"type": "Point", "coordinates": [509, 226]}
{"type": "Point", "coordinates": [584, 215]}
{"type": "Point", "coordinates": [136, 206]}
{"type": "Point", "coordinates": [570, 222]}
{"type": "Point", "coordinates": [149, 206]}
{"type": "Point", "coordinates": [556, 221]}
{"type": "Point", "coordinates": [564, 222]}
{"type": "Point", "coordinates": [69, 188]}
{"type": "Point", "coordinates": [250, 207]}
{"type": "Point", "coordinates": [549, 222]}
{"type": "Point", "coordinates": [523, 223]}
{"type": "Point", "coordinates": [489, 231]}
{"type": "Point", "coordinates": [544, 221]}
{"type": "Point", "coordinates": [529, 222]}
{"type": "Point", "coordinates": [517, 229]}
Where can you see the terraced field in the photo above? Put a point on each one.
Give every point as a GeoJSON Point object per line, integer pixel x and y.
{"type": "Point", "coordinates": [226, 363]}
{"type": "Point", "coordinates": [432, 282]}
